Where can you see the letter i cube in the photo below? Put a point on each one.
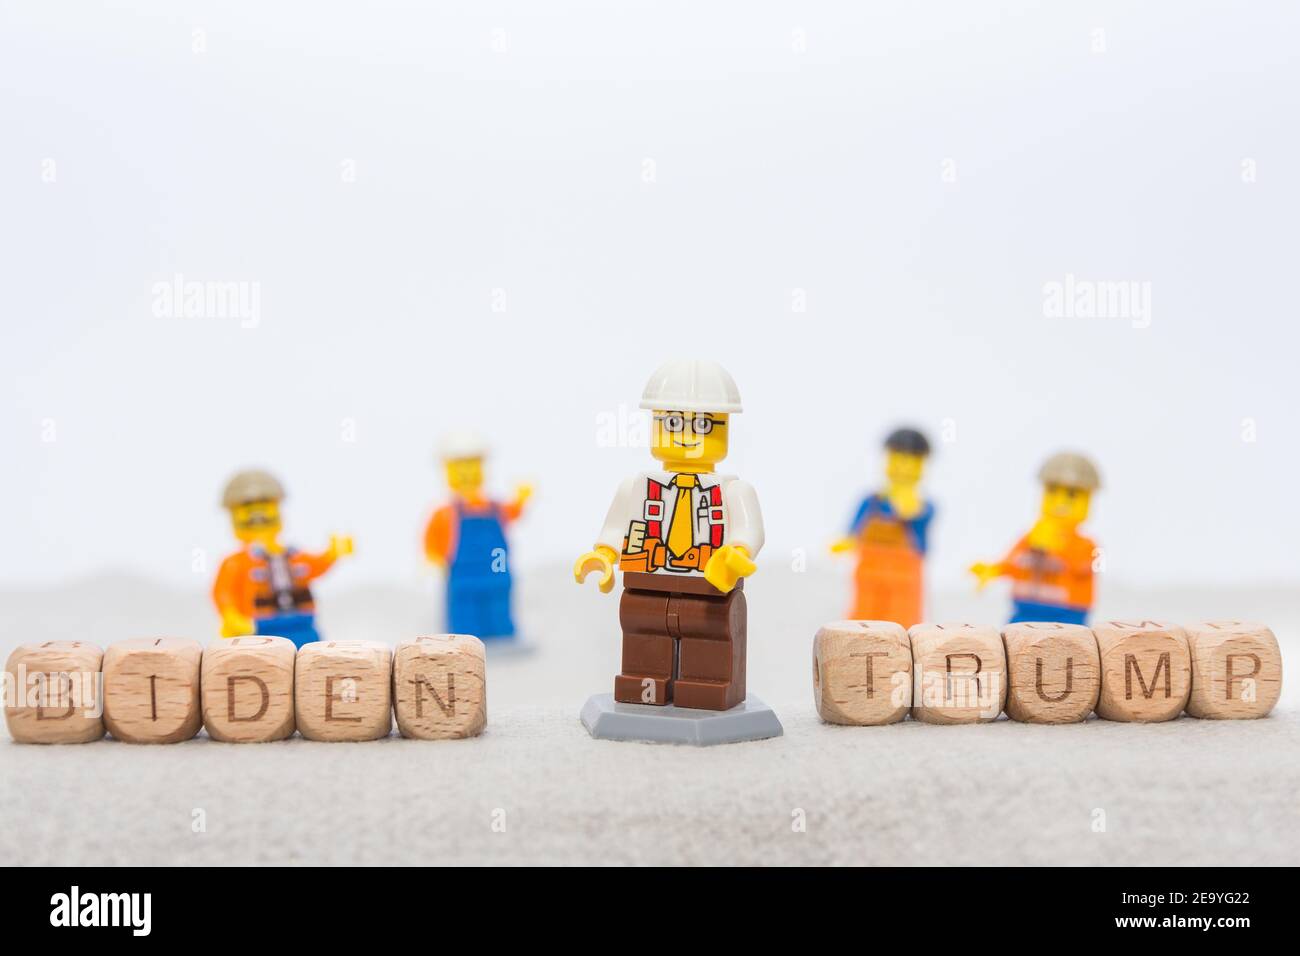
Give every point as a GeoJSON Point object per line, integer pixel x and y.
{"type": "Point", "coordinates": [151, 690]}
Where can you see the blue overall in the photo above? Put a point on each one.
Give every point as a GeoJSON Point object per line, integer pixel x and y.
{"type": "Point", "coordinates": [297, 627]}
{"type": "Point", "coordinates": [478, 597]}
{"type": "Point", "coordinates": [1022, 611]}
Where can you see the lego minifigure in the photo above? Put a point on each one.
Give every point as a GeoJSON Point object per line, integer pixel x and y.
{"type": "Point", "coordinates": [264, 588]}
{"type": "Point", "coordinates": [889, 534]}
{"type": "Point", "coordinates": [684, 538]}
{"type": "Point", "coordinates": [467, 538]}
{"type": "Point", "coordinates": [1051, 566]}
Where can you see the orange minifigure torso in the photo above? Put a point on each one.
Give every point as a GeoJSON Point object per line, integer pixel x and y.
{"type": "Point", "coordinates": [1061, 577]}
{"type": "Point", "coordinates": [260, 584]}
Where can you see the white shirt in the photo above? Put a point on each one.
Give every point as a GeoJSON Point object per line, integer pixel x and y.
{"type": "Point", "coordinates": [738, 514]}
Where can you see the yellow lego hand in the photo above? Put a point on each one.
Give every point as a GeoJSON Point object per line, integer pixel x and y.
{"type": "Point", "coordinates": [339, 545]}
{"type": "Point", "coordinates": [234, 624]}
{"type": "Point", "coordinates": [602, 560]}
{"type": "Point", "coordinates": [523, 492]}
{"type": "Point", "coordinates": [728, 565]}
{"type": "Point", "coordinates": [985, 573]}
{"type": "Point", "coordinates": [845, 545]}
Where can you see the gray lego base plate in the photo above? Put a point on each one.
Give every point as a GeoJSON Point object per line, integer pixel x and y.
{"type": "Point", "coordinates": [607, 720]}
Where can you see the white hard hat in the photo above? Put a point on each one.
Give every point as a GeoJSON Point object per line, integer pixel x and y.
{"type": "Point", "coordinates": [691, 385]}
{"type": "Point", "coordinates": [463, 444]}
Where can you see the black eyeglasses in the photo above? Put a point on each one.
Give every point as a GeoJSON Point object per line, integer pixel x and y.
{"type": "Point", "coordinates": [675, 422]}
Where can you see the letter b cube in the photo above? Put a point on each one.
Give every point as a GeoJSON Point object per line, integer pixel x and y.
{"type": "Point", "coordinates": [56, 693]}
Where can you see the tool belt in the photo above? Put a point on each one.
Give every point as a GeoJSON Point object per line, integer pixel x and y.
{"type": "Point", "coordinates": [270, 603]}
{"type": "Point", "coordinates": [656, 557]}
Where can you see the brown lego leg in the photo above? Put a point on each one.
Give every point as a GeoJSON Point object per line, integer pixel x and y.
{"type": "Point", "coordinates": [648, 649]}
{"type": "Point", "coordinates": [711, 672]}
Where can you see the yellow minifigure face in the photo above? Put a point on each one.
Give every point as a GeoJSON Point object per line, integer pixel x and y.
{"type": "Point", "coordinates": [1067, 505]}
{"type": "Point", "coordinates": [903, 468]}
{"type": "Point", "coordinates": [691, 441]}
{"type": "Point", "coordinates": [465, 475]}
{"type": "Point", "coordinates": [256, 521]}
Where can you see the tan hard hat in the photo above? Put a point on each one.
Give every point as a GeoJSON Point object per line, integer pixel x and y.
{"type": "Point", "coordinates": [249, 486]}
{"type": "Point", "coordinates": [1070, 470]}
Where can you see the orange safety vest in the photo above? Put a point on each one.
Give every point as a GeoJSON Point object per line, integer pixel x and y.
{"type": "Point", "coordinates": [247, 581]}
{"type": "Point", "coordinates": [1063, 579]}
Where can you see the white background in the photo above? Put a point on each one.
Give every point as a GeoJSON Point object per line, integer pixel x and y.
{"type": "Point", "coordinates": [504, 146]}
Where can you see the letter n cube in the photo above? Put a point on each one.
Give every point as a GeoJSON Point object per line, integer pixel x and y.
{"type": "Point", "coordinates": [440, 687]}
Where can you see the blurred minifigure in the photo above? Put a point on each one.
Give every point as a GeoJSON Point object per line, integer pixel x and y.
{"type": "Point", "coordinates": [265, 587]}
{"type": "Point", "coordinates": [888, 533]}
{"type": "Point", "coordinates": [467, 538]}
{"type": "Point", "coordinates": [1051, 566]}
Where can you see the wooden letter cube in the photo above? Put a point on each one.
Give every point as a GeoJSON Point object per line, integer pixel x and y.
{"type": "Point", "coordinates": [57, 693]}
{"type": "Point", "coordinates": [1236, 670]}
{"type": "Point", "coordinates": [862, 672]}
{"type": "Point", "coordinates": [1053, 672]}
{"type": "Point", "coordinates": [1146, 670]}
{"type": "Point", "coordinates": [960, 673]}
{"type": "Point", "coordinates": [151, 690]}
{"type": "Point", "coordinates": [247, 689]}
{"type": "Point", "coordinates": [344, 690]}
{"type": "Point", "coordinates": [440, 687]}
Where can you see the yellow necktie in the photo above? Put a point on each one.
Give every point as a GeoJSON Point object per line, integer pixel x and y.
{"type": "Point", "coordinates": [681, 534]}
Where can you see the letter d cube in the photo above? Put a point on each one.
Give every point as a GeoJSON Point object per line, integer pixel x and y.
{"type": "Point", "coordinates": [247, 689]}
